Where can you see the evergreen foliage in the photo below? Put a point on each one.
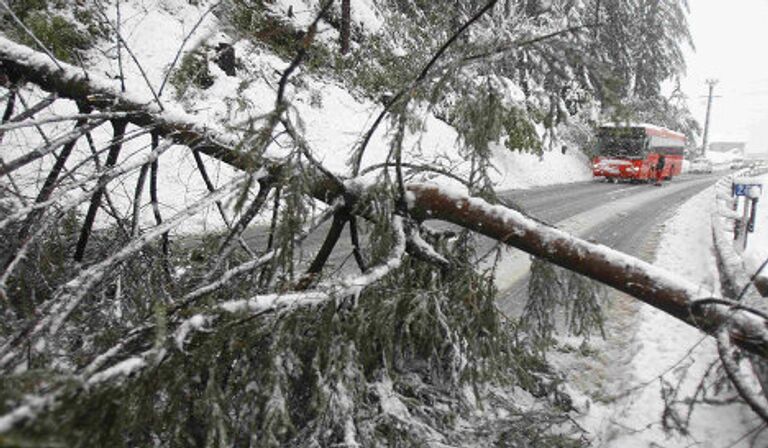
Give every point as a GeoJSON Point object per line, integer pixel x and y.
{"type": "Point", "coordinates": [192, 71]}
{"type": "Point", "coordinates": [66, 30]}
{"type": "Point", "coordinates": [560, 299]}
{"type": "Point", "coordinates": [422, 355]}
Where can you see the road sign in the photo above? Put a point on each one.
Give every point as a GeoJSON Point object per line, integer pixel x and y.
{"type": "Point", "coordinates": [746, 189]}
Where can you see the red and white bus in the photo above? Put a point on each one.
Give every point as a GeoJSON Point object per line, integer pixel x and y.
{"type": "Point", "coordinates": [641, 152]}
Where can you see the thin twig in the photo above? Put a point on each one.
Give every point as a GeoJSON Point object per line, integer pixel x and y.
{"type": "Point", "coordinates": [119, 49]}
{"type": "Point", "coordinates": [417, 167]}
{"type": "Point", "coordinates": [422, 75]}
{"type": "Point", "coordinates": [131, 54]}
{"type": "Point", "coordinates": [48, 148]}
{"type": "Point", "coordinates": [181, 47]}
{"type": "Point", "coordinates": [223, 213]}
{"type": "Point", "coordinates": [17, 122]}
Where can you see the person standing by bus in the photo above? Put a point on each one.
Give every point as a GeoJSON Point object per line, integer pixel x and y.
{"type": "Point", "coordinates": [660, 169]}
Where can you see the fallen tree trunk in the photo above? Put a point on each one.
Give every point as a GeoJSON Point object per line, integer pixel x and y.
{"type": "Point", "coordinates": [687, 301]}
{"type": "Point", "coordinates": [666, 291]}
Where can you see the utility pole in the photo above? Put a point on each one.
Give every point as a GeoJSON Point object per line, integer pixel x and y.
{"type": "Point", "coordinates": [711, 83]}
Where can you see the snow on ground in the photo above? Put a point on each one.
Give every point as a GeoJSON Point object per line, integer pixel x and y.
{"type": "Point", "coordinates": [670, 354]}
{"type": "Point", "coordinates": [363, 13]}
{"type": "Point", "coordinates": [523, 170]}
{"type": "Point", "coordinates": [334, 119]}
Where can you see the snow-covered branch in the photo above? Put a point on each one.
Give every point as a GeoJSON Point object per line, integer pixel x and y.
{"type": "Point", "coordinates": [69, 295]}
{"type": "Point", "coordinates": [258, 305]}
{"type": "Point", "coordinates": [648, 283]}
{"type": "Point", "coordinates": [655, 286]}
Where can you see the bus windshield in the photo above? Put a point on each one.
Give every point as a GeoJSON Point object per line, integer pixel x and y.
{"type": "Point", "coordinates": [622, 144]}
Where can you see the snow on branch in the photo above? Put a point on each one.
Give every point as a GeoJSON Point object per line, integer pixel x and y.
{"type": "Point", "coordinates": [258, 305]}
{"type": "Point", "coordinates": [69, 295]}
{"type": "Point", "coordinates": [653, 285]}
{"type": "Point", "coordinates": [20, 62]}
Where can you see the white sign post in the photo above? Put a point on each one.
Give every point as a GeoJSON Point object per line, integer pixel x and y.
{"type": "Point", "coordinates": [751, 189]}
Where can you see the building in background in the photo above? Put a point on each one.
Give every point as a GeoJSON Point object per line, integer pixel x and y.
{"type": "Point", "coordinates": [734, 148]}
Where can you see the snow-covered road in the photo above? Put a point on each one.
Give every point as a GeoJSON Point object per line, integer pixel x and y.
{"type": "Point", "coordinates": [622, 216]}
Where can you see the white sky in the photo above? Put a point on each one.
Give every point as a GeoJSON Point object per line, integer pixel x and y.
{"type": "Point", "coordinates": [731, 38]}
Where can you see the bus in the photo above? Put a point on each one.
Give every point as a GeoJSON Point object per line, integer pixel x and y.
{"type": "Point", "coordinates": [638, 152]}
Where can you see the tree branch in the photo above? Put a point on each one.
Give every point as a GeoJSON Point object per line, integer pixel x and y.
{"type": "Point", "coordinates": [648, 283]}
{"type": "Point", "coordinates": [358, 158]}
{"type": "Point", "coordinates": [114, 151]}
{"type": "Point", "coordinates": [321, 258]}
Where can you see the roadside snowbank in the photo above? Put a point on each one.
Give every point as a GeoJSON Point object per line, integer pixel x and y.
{"type": "Point", "coordinates": [672, 358]}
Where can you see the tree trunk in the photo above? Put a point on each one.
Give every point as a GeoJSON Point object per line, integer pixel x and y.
{"type": "Point", "coordinates": [345, 25]}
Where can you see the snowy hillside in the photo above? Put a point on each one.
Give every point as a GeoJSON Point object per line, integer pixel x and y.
{"type": "Point", "coordinates": [161, 33]}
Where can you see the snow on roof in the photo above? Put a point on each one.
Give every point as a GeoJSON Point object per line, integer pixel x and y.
{"type": "Point", "coordinates": [647, 126]}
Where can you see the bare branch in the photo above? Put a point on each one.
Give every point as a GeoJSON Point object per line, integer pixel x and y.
{"type": "Point", "coordinates": [114, 151]}
{"type": "Point", "coordinates": [137, 199]}
{"type": "Point", "coordinates": [753, 398]}
{"type": "Point", "coordinates": [153, 168]}
{"type": "Point", "coordinates": [354, 237]}
{"type": "Point", "coordinates": [37, 153]}
{"type": "Point", "coordinates": [265, 184]}
{"type": "Point", "coordinates": [334, 233]}
{"type": "Point", "coordinates": [209, 185]}
{"type": "Point", "coordinates": [119, 49]}
{"type": "Point", "coordinates": [9, 107]}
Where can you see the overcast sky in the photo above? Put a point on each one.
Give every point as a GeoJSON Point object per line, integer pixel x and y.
{"type": "Point", "coordinates": [731, 39]}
